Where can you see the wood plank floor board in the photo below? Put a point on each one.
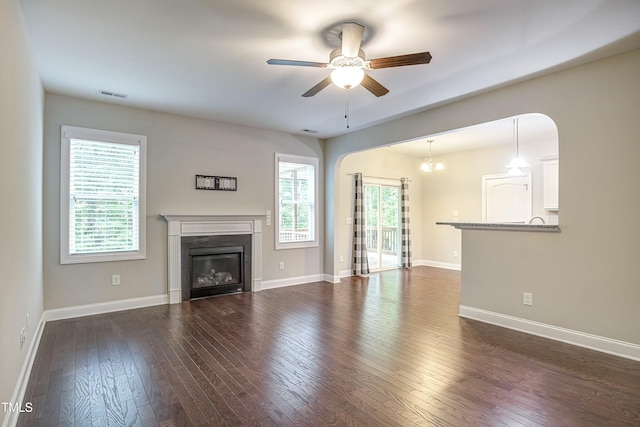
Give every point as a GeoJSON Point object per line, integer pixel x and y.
{"type": "Point", "coordinates": [147, 417]}
{"type": "Point", "coordinates": [383, 350]}
{"type": "Point", "coordinates": [131, 417]}
{"type": "Point", "coordinates": [364, 383]}
{"type": "Point", "coordinates": [66, 414]}
{"type": "Point", "coordinates": [378, 370]}
{"type": "Point", "coordinates": [82, 409]}
{"type": "Point", "coordinates": [187, 390]}
{"type": "Point", "coordinates": [206, 373]}
{"type": "Point", "coordinates": [387, 372]}
{"type": "Point", "coordinates": [283, 410]}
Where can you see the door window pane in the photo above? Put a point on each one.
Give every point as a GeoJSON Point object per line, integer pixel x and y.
{"type": "Point", "coordinates": [382, 219]}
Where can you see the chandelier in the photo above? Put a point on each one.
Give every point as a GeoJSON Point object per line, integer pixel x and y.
{"type": "Point", "coordinates": [429, 164]}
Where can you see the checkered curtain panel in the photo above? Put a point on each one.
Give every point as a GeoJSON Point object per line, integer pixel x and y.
{"type": "Point", "coordinates": [406, 233]}
{"type": "Point", "coordinates": [360, 262]}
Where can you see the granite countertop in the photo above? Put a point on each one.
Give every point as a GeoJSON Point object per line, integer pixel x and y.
{"type": "Point", "coordinates": [510, 226]}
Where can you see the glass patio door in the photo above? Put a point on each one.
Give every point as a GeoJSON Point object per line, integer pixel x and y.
{"type": "Point", "coordinates": [382, 204]}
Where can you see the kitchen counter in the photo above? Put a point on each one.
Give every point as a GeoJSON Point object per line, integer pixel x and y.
{"type": "Point", "coordinates": [505, 226]}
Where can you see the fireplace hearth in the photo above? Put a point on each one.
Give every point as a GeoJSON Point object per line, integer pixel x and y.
{"type": "Point", "coordinates": [215, 265]}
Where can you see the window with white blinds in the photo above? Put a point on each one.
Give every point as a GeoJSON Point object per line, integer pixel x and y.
{"type": "Point", "coordinates": [102, 194]}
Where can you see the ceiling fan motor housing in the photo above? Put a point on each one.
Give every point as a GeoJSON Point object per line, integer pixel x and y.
{"type": "Point", "coordinates": [337, 60]}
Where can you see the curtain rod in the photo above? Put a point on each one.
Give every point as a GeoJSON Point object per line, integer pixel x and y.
{"type": "Point", "coordinates": [378, 177]}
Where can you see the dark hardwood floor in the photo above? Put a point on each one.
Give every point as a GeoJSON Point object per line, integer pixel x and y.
{"type": "Point", "coordinates": [389, 350]}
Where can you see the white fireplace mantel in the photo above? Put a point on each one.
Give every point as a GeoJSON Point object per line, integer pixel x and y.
{"type": "Point", "coordinates": [210, 225]}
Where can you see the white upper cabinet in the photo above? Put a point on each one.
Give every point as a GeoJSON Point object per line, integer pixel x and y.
{"type": "Point", "coordinates": [551, 166]}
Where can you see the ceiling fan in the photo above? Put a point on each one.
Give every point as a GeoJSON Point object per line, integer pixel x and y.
{"type": "Point", "coordinates": [349, 63]}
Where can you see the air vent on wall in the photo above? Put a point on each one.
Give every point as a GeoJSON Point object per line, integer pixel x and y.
{"type": "Point", "coordinates": [114, 94]}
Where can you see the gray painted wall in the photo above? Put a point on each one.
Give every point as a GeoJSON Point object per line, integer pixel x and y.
{"type": "Point", "coordinates": [585, 278]}
{"type": "Point", "coordinates": [178, 148]}
{"type": "Point", "coordinates": [21, 107]}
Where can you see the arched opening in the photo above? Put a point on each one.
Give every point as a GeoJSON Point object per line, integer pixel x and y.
{"type": "Point", "coordinates": [456, 193]}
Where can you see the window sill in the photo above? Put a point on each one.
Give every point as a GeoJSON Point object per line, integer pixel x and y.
{"type": "Point", "coordinates": [102, 257]}
{"type": "Point", "coordinates": [296, 245]}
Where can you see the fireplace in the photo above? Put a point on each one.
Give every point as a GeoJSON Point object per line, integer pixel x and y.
{"type": "Point", "coordinates": [187, 232]}
{"type": "Point", "coordinates": [214, 265]}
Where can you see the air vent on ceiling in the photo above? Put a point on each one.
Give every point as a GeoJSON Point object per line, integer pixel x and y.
{"type": "Point", "coordinates": [114, 94]}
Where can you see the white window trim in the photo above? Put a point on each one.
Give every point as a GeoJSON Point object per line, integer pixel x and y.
{"type": "Point", "coordinates": [279, 157]}
{"type": "Point", "coordinates": [72, 132]}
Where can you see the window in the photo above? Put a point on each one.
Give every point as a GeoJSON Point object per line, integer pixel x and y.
{"type": "Point", "coordinates": [296, 207]}
{"type": "Point", "coordinates": [102, 196]}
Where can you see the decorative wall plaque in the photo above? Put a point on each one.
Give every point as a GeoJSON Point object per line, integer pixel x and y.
{"type": "Point", "coordinates": [222, 183]}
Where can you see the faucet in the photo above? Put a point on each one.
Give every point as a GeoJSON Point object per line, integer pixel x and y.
{"type": "Point", "coordinates": [536, 217]}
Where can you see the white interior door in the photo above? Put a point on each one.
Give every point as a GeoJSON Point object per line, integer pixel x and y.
{"type": "Point", "coordinates": [506, 198]}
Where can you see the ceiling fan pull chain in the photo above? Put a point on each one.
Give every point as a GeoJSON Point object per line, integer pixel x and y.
{"type": "Point", "coordinates": [346, 107]}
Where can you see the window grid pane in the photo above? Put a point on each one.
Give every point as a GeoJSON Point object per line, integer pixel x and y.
{"type": "Point", "coordinates": [297, 204]}
{"type": "Point", "coordinates": [104, 197]}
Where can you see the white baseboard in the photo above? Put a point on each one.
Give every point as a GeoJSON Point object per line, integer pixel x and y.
{"type": "Point", "coordinates": [418, 263]}
{"type": "Point", "coordinates": [175, 296]}
{"type": "Point", "coordinates": [333, 279]}
{"type": "Point", "coordinates": [593, 342]}
{"type": "Point", "coordinates": [438, 264]}
{"type": "Point", "coordinates": [104, 307]}
{"type": "Point", "coordinates": [291, 281]}
{"type": "Point", "coordinates": [11, 418]}
{"type": "Point", "coordinates": [344, 273]}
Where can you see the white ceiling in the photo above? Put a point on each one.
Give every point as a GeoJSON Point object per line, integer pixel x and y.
{"type": "Point", "coordinates": [207, 58]}
{"type": "Point", "coordinates": [528, 128]}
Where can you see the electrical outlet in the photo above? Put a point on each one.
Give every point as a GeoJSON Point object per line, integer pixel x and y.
{"type": "Point", "coordinates": [456, 254]}
{"type": "Point", "coordinates": [281, 265]}
{"type": "Point", "coordinates": [527, 298]}
{"type": "Point", "coordinates": [115, 280]}
{"type": "Point", "coordinates": [23, 337]}
{"type": "Point", "coordinates": [341, 258]}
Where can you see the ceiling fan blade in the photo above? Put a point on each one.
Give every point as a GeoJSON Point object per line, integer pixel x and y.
{"type": "Point", "coordinates": [351, 39]}
{"type": "Point", "coordinates": [372, 85]}
{"type": "Point", "coordinates": [400, 60]}
{"type": "Point", "coordinates": [317, 88]}
{"type": "Point", "coordinates": [296, 63]}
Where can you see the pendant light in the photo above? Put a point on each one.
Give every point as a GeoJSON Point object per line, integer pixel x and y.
{"type": "Point", "coordinates": [428, 164]}
{"type": "Point", "coordinates": [517, 163]}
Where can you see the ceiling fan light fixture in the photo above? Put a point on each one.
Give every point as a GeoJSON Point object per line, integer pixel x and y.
{"type": "Point", "coordinates": [349, 64]}
{"type": "Point", "coordinates": [347, 77]}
